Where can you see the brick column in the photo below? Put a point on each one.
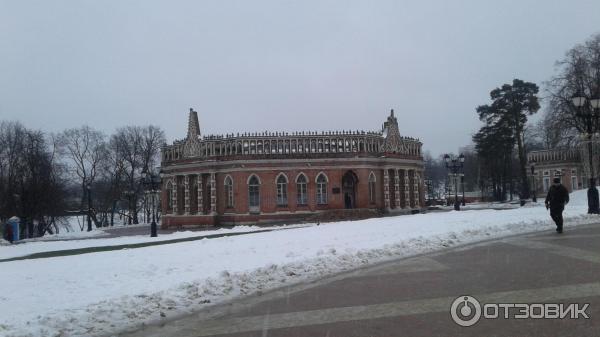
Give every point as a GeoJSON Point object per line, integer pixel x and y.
{"type": "Point", "coordinates": [397, 188]}
{"type": "Point", "coordinates": [386, 188]}
{"type": "Point", "coordinates": [174, 195]}
{"type": "Point", "coordinates": [416, 181]}
{"type": "Point", "coordinates": [186, 196]}
{"type": "Point", "coordinates": [200, 197]}
{"type": "Point", "coordinates": [406, 190]}
{"type": "Point", "coordinates": [213, 194]}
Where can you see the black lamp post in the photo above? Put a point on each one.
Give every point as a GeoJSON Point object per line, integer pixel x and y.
{"type": "Point", "coordinates": [151, 183]}
{"type": "Point", "coordinates": [454, 165]}
{"type": "Point", "coordinates": [89, 210]}
{"type": "Point", "coordinates": [462, 180]}
{"type": "Point", "coordinates": [533, 197]}
{"type": "Point", "coordinates": [590, 117]}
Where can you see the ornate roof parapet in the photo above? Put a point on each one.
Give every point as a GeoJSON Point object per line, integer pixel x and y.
{"type": "Point", "coordinates": [299, 143]}
{"type": "Point", "coordinates": [554, 155]}
{"type": "Point", "coordinates": [296, 134]}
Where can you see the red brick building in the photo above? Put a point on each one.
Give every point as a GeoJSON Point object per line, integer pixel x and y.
{"type": "Point", "coordinates": [565, 164]}
{"type": "Point", "coordinates": [286, 177]}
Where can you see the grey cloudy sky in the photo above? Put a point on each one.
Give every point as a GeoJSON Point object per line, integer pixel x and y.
{"type": "Point", "coordinates": [277, 65]}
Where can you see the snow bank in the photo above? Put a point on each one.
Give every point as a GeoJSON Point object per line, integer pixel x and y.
{"type": "Point", "coordinates": [107, 292]}
{"type": "Point", "coordinates": [33, 246]}
{"type": "Point", "coordinates": [74, 235]}
{"type": "Point", "coordinates": [484, 205]}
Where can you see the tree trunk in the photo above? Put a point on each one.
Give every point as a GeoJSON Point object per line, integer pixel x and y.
{"type": "Point", "coordinates": [522, 166]}
{"type": "Point", "coordinates": [135, 210]}
{"type": "Point", "coordinates": [112, 213]}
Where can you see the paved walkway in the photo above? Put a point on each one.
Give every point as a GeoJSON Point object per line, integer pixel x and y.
{"type": "Point", "coordinates": [412, 297]}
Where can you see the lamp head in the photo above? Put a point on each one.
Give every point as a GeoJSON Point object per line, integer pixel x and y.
{"type": "Point", "coordinates": [595, 102]}
{"type": "Point", "coordinates": [578, 100]}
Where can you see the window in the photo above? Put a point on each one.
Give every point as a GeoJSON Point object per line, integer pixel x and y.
{"type": "Point", "coordinates": [546, 184]}
{"type": "Point", "coordinates": [301, 188]}
{"type": "Point", "coordinates": [282, 190]}
{"type": "Point", "coordinates": [229, 191]}
{"type": "Point", "coordinates": [321, 189]}
{"type": "Point", "coordinates": [574, 183]}
{"type": "Point", "coordinates": [253, 193]}
{"type": "Point", "coordinates": [372, 188]}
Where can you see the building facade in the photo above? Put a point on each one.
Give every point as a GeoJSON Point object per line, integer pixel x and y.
{"type": "Point", "coordinates": [562, 163]}
{"type": "Point", "coordinates": [256, 178]}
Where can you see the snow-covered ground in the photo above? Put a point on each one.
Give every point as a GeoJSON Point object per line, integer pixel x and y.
{"type": "Point", "coordinates": [487, 205]}
{"type": "Point", "coordinates": [100, 293]}
{"type": "Point", "coordinates": [36, 246]}
{"type": "Point", "coordinates": [76, 234]}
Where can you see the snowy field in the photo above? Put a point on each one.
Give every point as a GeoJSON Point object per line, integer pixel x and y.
{"type": "Point", "coordinates": [489, 205]}
{"type": "Point", "coordinates": [37, 246]}
{"type": "Point", "coordinates": [101, 293]}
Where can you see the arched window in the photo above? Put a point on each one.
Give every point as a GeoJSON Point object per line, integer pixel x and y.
{"type": "Point", "coordinates": [229, 191]}
{"type": "Point", "coordinates": [301, 188]}
{"type": "Point", "coordinates": [321, 189]}
{"type": "Point", "coordinates": [372, 181]}
{"type": "Point", "coordinates": [282, 190]}
{"type": "Point", "coordinates": [253, 193]}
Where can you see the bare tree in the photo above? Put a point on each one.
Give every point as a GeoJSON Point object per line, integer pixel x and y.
{"type": "Point", "coordinates": [552, 133]}
{"type": "Point", "coordinates": [138, 147]}
{"type": "Point", "coordinates": [31, 185]}
{"type": "Point", "coordinates": [578, 73]}
{"type": "Point", "coordinates": [85, 149]}
{"type": "Point", "coordinates": [111, 182]}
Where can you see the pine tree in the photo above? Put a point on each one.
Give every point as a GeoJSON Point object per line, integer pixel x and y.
{"type": "Point", "coordinates": [511, 105]}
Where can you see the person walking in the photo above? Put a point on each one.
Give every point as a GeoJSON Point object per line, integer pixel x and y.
{"type": "Point", "coordinates": [557, 198]}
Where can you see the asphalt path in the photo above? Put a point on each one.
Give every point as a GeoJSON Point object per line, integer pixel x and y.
{"type": "Point", "coordinates": [413, 297]}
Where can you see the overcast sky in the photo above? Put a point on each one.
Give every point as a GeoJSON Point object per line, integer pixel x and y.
{"type": "Point", "coordinates": [277, 65]}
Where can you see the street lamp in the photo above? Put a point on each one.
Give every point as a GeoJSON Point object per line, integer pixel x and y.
{"type": "Point", "coordinates": [589, 117]}
{"type": "Point", "coordinates": [533, 197]}
{"type": "Point", "coordinates": [454, 165]}
{"type": "Point", "coordinates": [89, 210]}
{"type": "Point", "coordinates": [462, 182]}
{"type": "Point", "coordinates": [151, 183]}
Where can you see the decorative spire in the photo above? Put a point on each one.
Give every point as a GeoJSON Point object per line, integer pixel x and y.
{"type": "Point", "coordinates": [393, 141]}
{"type": "Point", "coordinates": [192, 142]}
{"type": "Point", "coordinates": [193, 126]}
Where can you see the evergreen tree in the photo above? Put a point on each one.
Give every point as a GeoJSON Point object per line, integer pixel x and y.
{"type": "Point", "coordinates": [511, 105]}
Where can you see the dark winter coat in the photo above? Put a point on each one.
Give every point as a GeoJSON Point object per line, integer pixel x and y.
{"type": "Point", "coordinates": [557, 197]}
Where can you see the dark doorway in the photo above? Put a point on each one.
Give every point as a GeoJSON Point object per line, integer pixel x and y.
{"type": "Point", "coordinates": [349, 182]}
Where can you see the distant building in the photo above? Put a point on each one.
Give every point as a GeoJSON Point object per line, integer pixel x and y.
{"type": "Point", "coordinates": [563, 163]}
{"type": "Point", "coordinates": [282, 177]}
